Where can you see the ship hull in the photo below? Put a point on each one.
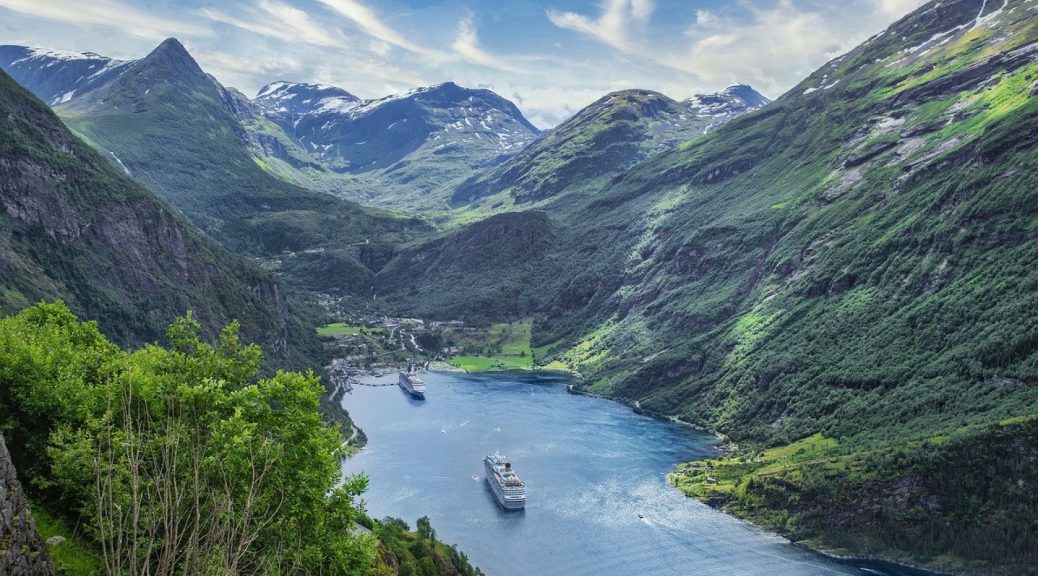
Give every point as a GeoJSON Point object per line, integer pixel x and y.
{"type": "Point", "coordinates": [409, 390]}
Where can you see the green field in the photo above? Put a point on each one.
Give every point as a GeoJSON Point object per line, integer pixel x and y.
{"type": "Point", "coordinates": [503, 346]}
{"type": "Point", "coordinates": [336, 329]}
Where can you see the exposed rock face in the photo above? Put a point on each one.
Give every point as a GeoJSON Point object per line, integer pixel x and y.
{"type": "Point", "coordinates": [21, 549]}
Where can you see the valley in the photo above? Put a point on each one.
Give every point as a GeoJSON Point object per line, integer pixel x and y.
{"type": "Point", "coordinates": [838, 283]}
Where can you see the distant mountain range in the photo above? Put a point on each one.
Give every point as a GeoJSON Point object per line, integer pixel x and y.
{"type": "Point", "coordinates": [405, 151]}
{"type": "Point", "coordinates": [175, 129]}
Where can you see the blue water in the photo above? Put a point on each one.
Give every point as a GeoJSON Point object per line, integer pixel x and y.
{"type": "Point", "coordinates": [591, 467]}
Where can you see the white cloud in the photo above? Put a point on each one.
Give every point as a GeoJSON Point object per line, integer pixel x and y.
{"type": "Point", "coordinates": [129, 20]}
{"type": "Point", "coordinates": [897, 8]}
{"type": "Point", "coordinates": [705, 17]}
{"type": "Point", "coordinates": [642, 9]}
{"type": "Point", "coordinates": [467, 46]}
{"type": "Point", "coordinates": [369, 22]}
{"type": "Point", "coordinates": [771, 48]}
{"type": "Point", "coordinates": [612, 25]}
{"type": "Point", "coordinates": [282, 22]}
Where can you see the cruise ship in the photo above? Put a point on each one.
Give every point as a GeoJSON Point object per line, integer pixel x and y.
{"type": "Point", "coordinates": [411, 383]}
{"type": "Point", "coordinates": [509, 489]}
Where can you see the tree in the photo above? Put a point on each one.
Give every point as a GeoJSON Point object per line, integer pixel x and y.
{"type": "Point", "coordinates": [425, 529]}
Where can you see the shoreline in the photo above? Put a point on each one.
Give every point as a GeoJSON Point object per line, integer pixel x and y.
{"type": "Point", "coordinates": [726, 446]}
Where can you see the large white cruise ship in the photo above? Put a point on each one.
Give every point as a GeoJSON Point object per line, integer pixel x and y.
{"type": "Point", "coordinates": [509, 489]}
{"type": "Point", "coordinates": [411, 383]}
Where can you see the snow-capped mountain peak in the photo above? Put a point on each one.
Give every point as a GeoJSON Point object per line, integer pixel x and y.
{"type": "Point", "coordinates": [290, 101]}
{"type": "Point", "coordinates": [56, 76]}
{"type": "Point", "coordinates": [733, 100]}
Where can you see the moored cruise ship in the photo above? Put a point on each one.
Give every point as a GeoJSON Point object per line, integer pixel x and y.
{"type": "Point", "coordinates": [411, 383]}
{"type": "Point", "coordinates": [509, 489]}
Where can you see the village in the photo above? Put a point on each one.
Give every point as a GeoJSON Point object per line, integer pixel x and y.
{"type": "Point", "coordinates": [375, 345]}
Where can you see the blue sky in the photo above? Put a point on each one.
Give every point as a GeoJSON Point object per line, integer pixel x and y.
{"type": "Point", "coordinates": [551, 57]}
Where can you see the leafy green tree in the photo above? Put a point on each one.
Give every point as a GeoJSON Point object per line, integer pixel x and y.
{"type": "Point", "coordinates": [180, 460]}
{"type": "Point", "coordinates": [425, 529]}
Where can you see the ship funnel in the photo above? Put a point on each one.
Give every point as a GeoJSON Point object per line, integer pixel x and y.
{"type": "Point", "coordinates": [508, 465]}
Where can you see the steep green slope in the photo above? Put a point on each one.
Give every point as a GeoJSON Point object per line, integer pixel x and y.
{"type": "Point", "coordinates": [855, 263]}
{"type": "Point", "coordinates": [494, 269]}
{"type": "Point", "coordinates": [176, 130]}
{"type": "Point", "coordinates": [74, 227]}
{"type": "Point", "coordinates": [883, 214]}
{"type": "Point", "coordinates": [599, 142]}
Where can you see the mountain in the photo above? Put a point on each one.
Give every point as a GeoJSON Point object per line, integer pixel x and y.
{"type": "Point", "coordinates": [74, 227]}
{"type": "Point", "coordinates": [54, 76]}
{"type": "Point", "coordinates": [175, 129]}
{"type": "Point", "coordinates": [732, 101]}
{"type": "Point", "coordinates": [483, 272]}
{"type": "Point", "coordinates": [401, 151]}
{"type": "Point", "coordinates": [842, 283]}
{"type": "Point", "coordinates": [602, 141]}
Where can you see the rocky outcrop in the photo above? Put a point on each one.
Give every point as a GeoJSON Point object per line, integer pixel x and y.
{"type": "Point", "coordinates": [22, 551]}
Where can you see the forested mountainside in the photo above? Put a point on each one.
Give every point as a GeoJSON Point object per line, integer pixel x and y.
{"type": "Point", "coordinates": [74, 227]}
{"type": "Point", "coordinates": [176, 130]}
{"type": "Point", "coordinates": [599, 142]}
{"type": "Point", "coordinates": [853, 263]}
{"type": "Point", "coordinates": [405, 151]}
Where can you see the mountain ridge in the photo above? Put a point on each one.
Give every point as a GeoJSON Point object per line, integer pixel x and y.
{"type": "Point", "coordinates": [601, 141]}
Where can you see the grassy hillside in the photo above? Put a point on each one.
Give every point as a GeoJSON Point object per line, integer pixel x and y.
{"type": "Point", "coordinates": [504, 346]}
{"type": "Point", "coordinates": [855, 260]}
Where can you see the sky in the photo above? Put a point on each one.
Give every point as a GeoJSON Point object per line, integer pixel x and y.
{"type": "Point", "coordinates": [550, 57]}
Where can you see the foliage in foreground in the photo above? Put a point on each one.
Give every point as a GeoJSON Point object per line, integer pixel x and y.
{"type": "Point", "coordinates": [417, 553]}
{"type": "Point", "coordinates": [178, 460]}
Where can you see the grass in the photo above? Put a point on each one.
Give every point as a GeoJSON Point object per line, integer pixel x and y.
{"type": "Point", "coordinates": [337, 329]}
{"type": "Point", "coordinates": [729, 475]}
{"type": "Point", "coordinates": [489, 364]}
{"type": "Point", "coordinates": [505, 346]}
{"type": "Point", "coordinates": [71, 557]}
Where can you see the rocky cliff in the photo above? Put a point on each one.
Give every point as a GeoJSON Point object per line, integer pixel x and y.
{"type": "Point", "coordinates": [21, 549]}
